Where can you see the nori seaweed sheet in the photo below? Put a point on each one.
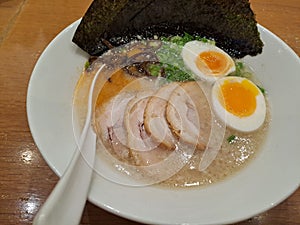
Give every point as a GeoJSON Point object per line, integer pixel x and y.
{"type": "Point", "coordinates": [231, 23]}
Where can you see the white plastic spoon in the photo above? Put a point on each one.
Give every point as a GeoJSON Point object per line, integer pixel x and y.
{"type": "Point", "coordinates": [66, 202]}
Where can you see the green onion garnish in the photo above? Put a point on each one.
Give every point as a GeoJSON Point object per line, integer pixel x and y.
{"type": "Point", "coordinates": [231, 139]}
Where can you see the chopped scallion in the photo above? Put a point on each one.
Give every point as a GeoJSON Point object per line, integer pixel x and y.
{"type": "Point", "coordinates": [231, 139]}
{"type": "Point", "coordinates": [261, 89]}
{"type": "Point", "coordinates": [87, 65]}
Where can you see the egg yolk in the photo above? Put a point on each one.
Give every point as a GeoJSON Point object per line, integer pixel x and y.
{"type": "Point", "coordinates": [239, 98]}
{"type": "Point", "coordinates": [212, 63]}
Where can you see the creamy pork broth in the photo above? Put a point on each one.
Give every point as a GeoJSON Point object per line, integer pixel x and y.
{"type": "Point", "coordinates": [154, 118]}
{"type": "Point", "coordinates": [231, 158]}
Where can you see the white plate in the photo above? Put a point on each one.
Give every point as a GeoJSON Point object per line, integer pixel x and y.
{"type": "Point", "coordinates": [267, 181]}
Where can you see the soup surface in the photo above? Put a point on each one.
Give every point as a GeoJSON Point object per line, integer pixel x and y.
{"type": "Point", "coordinates": [118, 88]}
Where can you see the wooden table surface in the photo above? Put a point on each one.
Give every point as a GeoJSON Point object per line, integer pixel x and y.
{"type": "Point", "coordinates": [26, 27]}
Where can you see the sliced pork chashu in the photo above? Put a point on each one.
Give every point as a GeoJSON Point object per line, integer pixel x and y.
{"type": "Point", "coordinates": [109, 125]}
{"type": "Point", "coordinates": [188, 114]}
{"type": "Point", "coordinates": [137, 137]}
{"type": "Point", "coordinates": [155, 121]}
{"type": "Point", "coordinates": [144, 149]}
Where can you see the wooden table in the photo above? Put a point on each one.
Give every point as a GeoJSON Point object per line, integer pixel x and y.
{"type": "Point", "coordinates": [26, 27]}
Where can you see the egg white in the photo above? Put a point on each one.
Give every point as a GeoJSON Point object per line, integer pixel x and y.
{"type": "Point", "coordinates": [190, 52]}
{"type": "Point", "coordinates": [244, 124]}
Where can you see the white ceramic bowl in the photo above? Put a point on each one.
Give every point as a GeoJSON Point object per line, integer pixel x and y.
{"type": "Point", "coordinates": [267, 181]}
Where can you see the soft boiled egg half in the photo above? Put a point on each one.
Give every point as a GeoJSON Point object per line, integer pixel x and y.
{"type": "Point", "coordinates": [207, 61]}
{"type": "Point", "coordinates": [239, 103]}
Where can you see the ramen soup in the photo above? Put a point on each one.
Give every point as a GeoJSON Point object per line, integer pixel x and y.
{"type": "Point", "coordinates": [160, 109]}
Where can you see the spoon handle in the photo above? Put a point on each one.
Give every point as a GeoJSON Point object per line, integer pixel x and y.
{"type": "Point", "coordinates": [67, 200]}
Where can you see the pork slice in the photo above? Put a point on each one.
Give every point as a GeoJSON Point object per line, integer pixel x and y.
{"type": "Point", "coordinates": [144, 149]}
{"type": "Point", "coordinates": [137, 137]}
{"type": "Point", "coordinates": [155, 121]}
{"type": "Point", "coordinates": [188, 114]}
{"type": "Point", "coordinates": [109, 124]}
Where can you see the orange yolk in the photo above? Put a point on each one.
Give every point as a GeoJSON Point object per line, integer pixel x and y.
{"type": "Point", "coordinates": [212, 63]}
{"type": "Point", "coordinates": [239, 98]}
